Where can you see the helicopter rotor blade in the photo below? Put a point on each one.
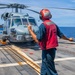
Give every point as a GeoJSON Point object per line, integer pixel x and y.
{"type": "Point", "coordinates": [55, 8]}
{"type": "Point", "coordinates": [52, 8]}
{"type": "Point", "coordinates": [3, 4]}
{"type": "Point", "coordinates": [61, 8]}
{"type": "Point", "coordinates": [3, 7]}
{"type": "Point", "coordinates": [33, 11]}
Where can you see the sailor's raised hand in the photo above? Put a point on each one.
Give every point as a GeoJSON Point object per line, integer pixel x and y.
{"type": "Point", "coordinates": [29, 27]}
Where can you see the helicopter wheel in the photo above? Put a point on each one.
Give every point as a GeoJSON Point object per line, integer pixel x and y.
{"type": "Point", "coordinates": [4, 39]}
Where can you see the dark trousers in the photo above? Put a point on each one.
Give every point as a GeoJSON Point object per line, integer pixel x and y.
{"type": "Point", "coordinates": [48, 66]}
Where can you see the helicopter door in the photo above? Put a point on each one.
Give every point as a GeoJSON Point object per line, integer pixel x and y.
{"type": "Point", "coordinates": [8, 26]}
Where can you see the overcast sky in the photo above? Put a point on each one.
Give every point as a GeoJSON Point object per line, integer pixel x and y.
{"type": "Point", "coordinates": [59, 16]}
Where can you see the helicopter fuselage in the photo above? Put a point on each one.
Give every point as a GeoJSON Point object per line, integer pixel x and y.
{"type": "Point", "coordinates": [15, 27]}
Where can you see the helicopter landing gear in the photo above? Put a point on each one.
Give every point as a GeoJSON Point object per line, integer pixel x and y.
{"type": "Point", "coordinates": [3, 41]}
{"type": "Point", "coordinates": [4, 38]}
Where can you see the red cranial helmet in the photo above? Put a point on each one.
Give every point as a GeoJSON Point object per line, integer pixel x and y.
{"type": "Point", "coordinates": [45, 14]}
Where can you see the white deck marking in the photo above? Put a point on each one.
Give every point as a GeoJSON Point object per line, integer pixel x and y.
{"type": "Point", "coordinates": [63, 59]}
{"type": "Point", "coordinates": [11, 64]}
{"type": "Point", "coordinates": [23, 63]}
{"type": "Point", "coordinates": [1, 48]}
{"type": "Point", "coordinates": [60, 59]}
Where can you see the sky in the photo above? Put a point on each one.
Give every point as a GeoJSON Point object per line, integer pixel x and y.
{"type": "Point", "coordinates": [63, 18]}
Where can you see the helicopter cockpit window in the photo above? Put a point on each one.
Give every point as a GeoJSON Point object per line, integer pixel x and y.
{"type": "Point", "coordinates": [16, 22]}
{"type": "Point", "coordinates": [24, 21]}
{"type": "Point", "coordinates": [32, 21]}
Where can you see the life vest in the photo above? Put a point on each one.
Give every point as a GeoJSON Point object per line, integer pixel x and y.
{"type": "Point", "coordinates": [50, 39]}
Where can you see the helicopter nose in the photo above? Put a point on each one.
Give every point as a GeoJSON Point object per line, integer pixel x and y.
{"type": "Point", "coordinates": [21, 30]}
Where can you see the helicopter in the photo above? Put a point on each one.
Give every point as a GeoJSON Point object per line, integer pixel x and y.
{"type": "Point", "coordinates": [15, 24]}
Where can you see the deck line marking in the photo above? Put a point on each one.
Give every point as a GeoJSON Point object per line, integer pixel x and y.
{"type": "Point", "coordinates": [63, 59]}
{"type": "Point", "coordinates": [23, 63]}
{"type": "Point", "coordinates": [11, 64]}
{"type": "Point", "coordinates": [59, 59]}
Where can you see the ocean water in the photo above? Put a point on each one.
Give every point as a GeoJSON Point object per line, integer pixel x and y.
{"type": "Point", "coordinates": [67, 31]}
{"type": "Point", "coordinates": [1, 29]}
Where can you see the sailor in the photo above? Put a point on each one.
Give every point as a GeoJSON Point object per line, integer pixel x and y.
{"type": "Point", "coordinates": [48, 41]}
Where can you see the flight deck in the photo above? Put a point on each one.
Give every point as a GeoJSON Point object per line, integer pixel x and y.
{"type": "Point", "coordinates": [10, 64]}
